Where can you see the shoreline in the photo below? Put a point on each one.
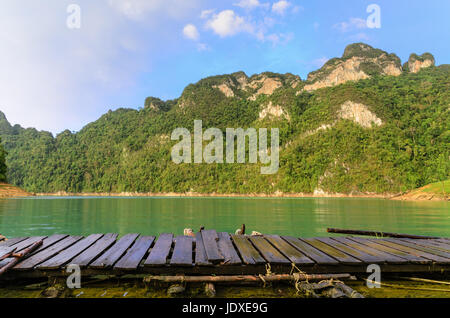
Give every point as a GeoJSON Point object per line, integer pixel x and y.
{"type": "Point", "coordinates": [217, 195]}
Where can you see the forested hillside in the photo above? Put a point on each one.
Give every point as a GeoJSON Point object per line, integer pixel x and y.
{"type": "Point", "coordinates": [386, 130]}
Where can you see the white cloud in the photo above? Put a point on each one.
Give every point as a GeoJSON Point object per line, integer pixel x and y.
{"type": "Point", "coordinates": [190, 31]}
{"type": "Point", "coordinates": [53, 78]}
{"type": "Point", "coordinates": [139, 9]}
{"type": "Point", "coordinates": [250, 4]}
{"type": "Point", "coordinates": [228, 23]}
{"type": "Point", "coordinates": [207, 13]}
{"type": "Point", "coordinates": [280, 7]}
{"type": "Point", "coordinates": [351, 25]}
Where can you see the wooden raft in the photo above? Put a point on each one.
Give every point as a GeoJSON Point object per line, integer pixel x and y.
{"type": "Point", "coordinates": [210, 252]}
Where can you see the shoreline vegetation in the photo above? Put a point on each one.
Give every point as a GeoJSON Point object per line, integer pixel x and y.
{"type": "Point", "coordinates": [438, 191]}
{"type": "Point", "coordinates": [219, 195]}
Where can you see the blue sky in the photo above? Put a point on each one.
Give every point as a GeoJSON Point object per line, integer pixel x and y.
{"type": "Point", "coordinates": [55, 78]}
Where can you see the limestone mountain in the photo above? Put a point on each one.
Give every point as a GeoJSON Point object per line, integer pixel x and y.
{"type": "Point", "coordinates": [372, 127]}
{"type": "Point", "coordinates": [359, 61]}
{"type": "Point", "coordinates": [416, 62]}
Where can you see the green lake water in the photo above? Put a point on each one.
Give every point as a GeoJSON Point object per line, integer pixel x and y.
{"type": "Point", "coordinates": [301, 217]}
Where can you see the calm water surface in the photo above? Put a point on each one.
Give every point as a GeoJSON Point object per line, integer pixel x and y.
{"type": "Point", "coordinates": [289, 216]}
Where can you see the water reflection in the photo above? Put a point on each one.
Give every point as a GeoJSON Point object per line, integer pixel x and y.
{"type": "Point", "coordinates": [151, 216]}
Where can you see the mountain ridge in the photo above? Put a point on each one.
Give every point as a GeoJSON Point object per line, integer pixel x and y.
{"type": "Point", "coordinates": [379, 134]}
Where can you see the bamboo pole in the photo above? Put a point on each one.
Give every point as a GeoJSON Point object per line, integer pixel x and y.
{"type": "Point", "coordinates": [19, 257]}
{"type": "Point", "coordinates": [407, 287]}
{"type": "Point", "coordinates": [379, 234]}
{"type": "Point", "coordinates": [243, 278]}
{"type": "Point", "coordinates": [426, 280]}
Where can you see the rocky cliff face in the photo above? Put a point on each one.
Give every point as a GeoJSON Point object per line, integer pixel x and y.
{"type": "Point", "coordinates": [359, 61]}
{"type": "Point", "coordinates": [416, 62]}
{"type": "Point", "coordinates": [360, 114]}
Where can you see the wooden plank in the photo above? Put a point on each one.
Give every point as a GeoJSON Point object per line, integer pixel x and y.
{"type": "Point", "coordinates": [135, 254]}
{"type": "Point", "coordinates": [90, 254]}
{"type": "Point", "coordinates": [294, 255]}
{"type": "Point", "coordinates": [248, 253]}
{"type": "Point", "coordinates": [6, 251]}
{"type": "Point", "coordinates": [430, 243]}
{"type": "Point", "coordinates": [28, 242]}
{"type": "Point", "coordinates": [210, 239]}
{"type": "Point", "coordinates": [374, 244]}
{"type": "Point", "coordinates": [389, 258]}
{"type": "Point", "coordinates": [226, 248]}
{"type": "Point", "coordinates": [47, 253]}
{"type": "Point", "coordinates": [342, 257]}
{"type": "Point", "coordinates": [69, 253]}
{"type": "Point", "coordinates": [201, 259]}
{"type": "Point", "coordinates": [270, 253]}
{"type": "Point", "coordinates": [313, 253]}
{"type": "Point", "coordinates": [49, 241]}
{"type": "Point", "coordinates": [12, 241]}
{"type": "Point", "coordinates": [112, 255]}
{"type": "Point", "coordinates": [414, 249]}
{"type": "Point", "coordinates": [353, 252]}
{"type": "Point", "coordinates": [432, 249]}
{"type": "Point", "coordinates": [160, 252]}
{"type": "Point", "coordinates": [182, 252]}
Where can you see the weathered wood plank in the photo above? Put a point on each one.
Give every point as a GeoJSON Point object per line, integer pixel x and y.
{"type": "Point", "coordinates": [270, 253]}
{"type": "Point", "coordinates": [356, 253]}
{"type": "Point", "coordinates": [210, 239]}
{"type": "Point", "coordinates": [294, 255]}
{"type": "Point", "coordinates": [226, 248]}
{"type": "Point", "coordinates": [201, 259]}
{"type": "Point", "coordinates": [90, 254]}
{"type": "Point", "coordinates": [64, 257]}
{"type": "Point", "coordinates": [374, 244]}
{"type": "Point", "coordinates": [47, 253]}
{"type": "Point", "coordinates": [342, 257]}
{"type": "Point", "coordinates": [417, 250]}
{"type": "Point", "coordinates": [182, 252]}
{"type": "Point", "coordinates": [113, 254]}
{"type": "Point", "coordinates": [49, 241]}
{"type": "Point", "coordinates": [248, 253]}
{"type": "Point", "coordinates": [12, 241]}
{"type": "Point", "coordinates": [313, 253]}
{"type": "Point", "coordinates": [427, 249]}
{"type": "Point", "coordinates": [6, 251]}
{"type": "Point", "coordinates": [429, 243]}
{"type": "Point", "coordinates": [388, 258]}
{"type": "Point", "coordinates": [135, 254]}
{"type": "Point", "coordinates": [28, 242]}
{"type": "Point", "coordinates": [160, 252]}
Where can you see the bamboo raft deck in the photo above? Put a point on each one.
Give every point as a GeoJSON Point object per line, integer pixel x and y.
{"type": "Point", "coordinates": [210, 252]}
